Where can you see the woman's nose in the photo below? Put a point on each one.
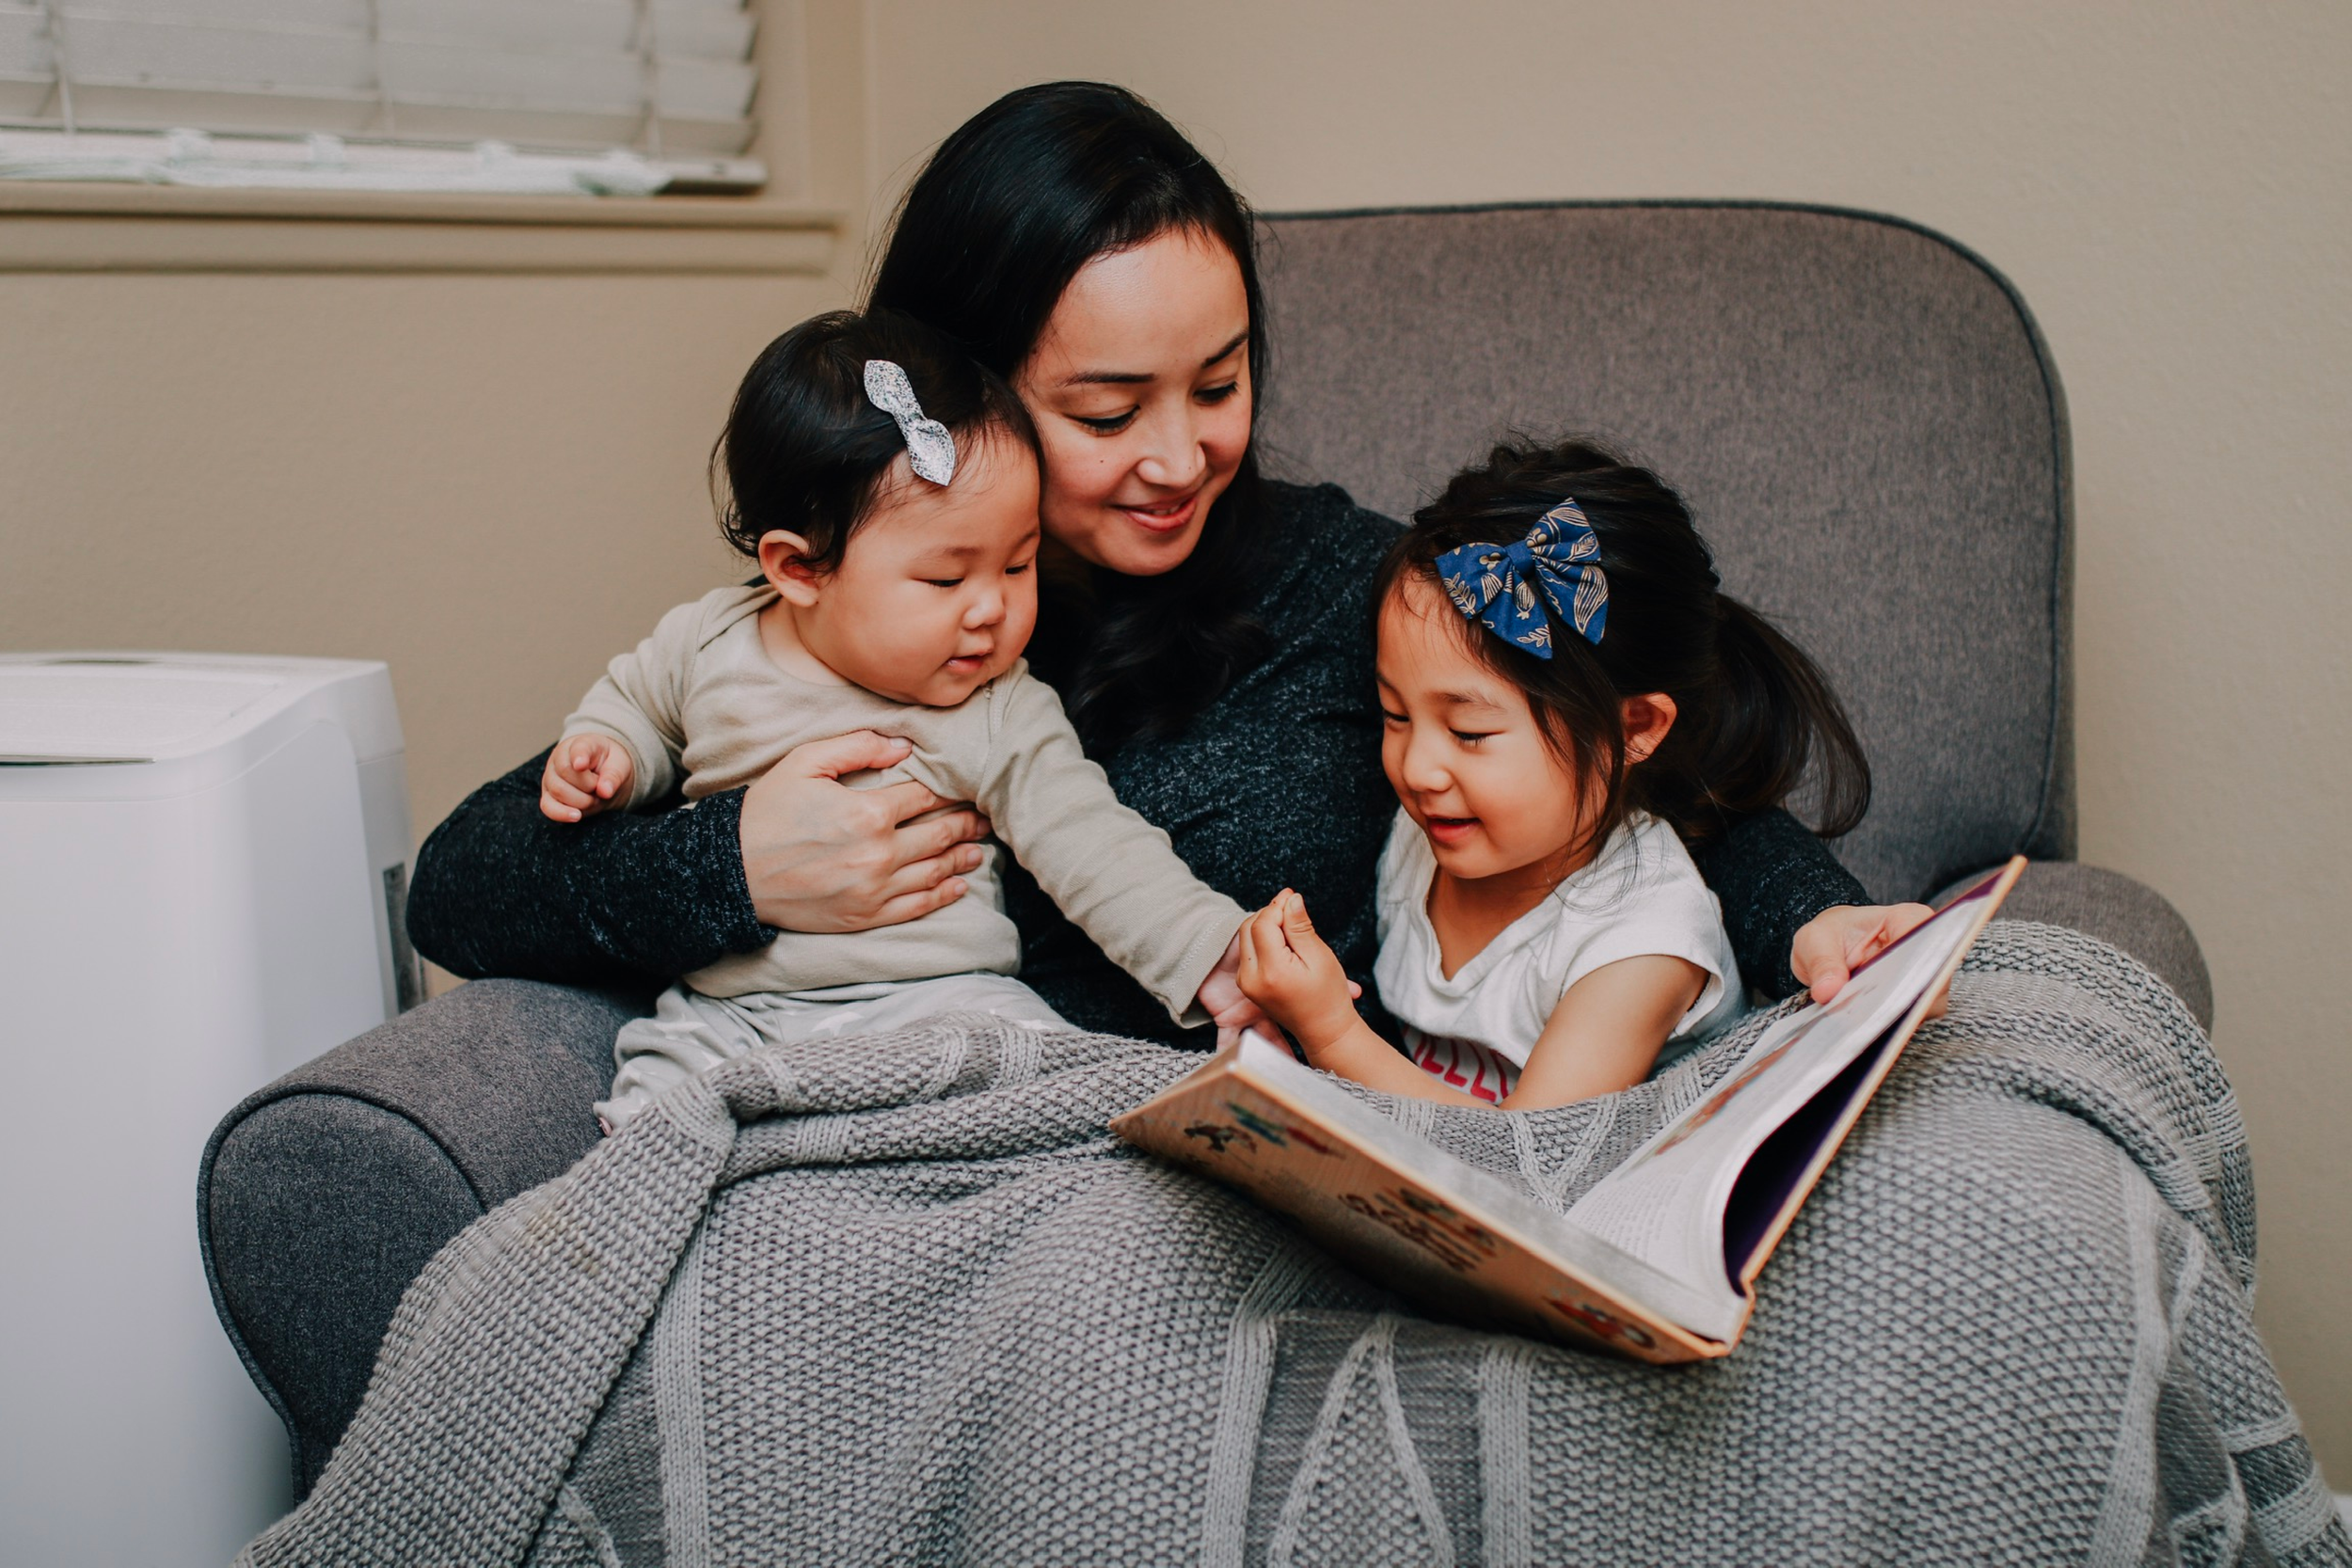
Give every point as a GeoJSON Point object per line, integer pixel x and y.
{"type": "Point", "coordinates": [1173, 458]}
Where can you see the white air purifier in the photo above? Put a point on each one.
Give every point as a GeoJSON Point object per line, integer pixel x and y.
{"type": "Point", "coordinates": [202, 862]}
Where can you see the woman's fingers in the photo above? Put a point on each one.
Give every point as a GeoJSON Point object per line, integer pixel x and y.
{"type": "Point", "coordinates": [820, 855]}
{"type": "Point", "coordinates": [917, 876]}
{"type": "Point", "coordinates": [938, 836]}
{"type": "Point", "coordinates": [855, 753]}
{"type": "Point", "coordinates": [898, 804]}
{"type": "Point", "coordinates": [927, 853]}
{"type": "Point", "coordinates": [914, 906]}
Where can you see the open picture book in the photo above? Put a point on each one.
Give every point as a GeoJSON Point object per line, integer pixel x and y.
{"type": "Point", "coordinates": [1659, 1260]}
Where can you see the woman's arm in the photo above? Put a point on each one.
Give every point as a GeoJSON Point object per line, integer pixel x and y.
{"type": "Point", "coordinates": [631, 897]}
{"type": "Point", "coordinates": [1798, 920]}
{"type": "Point", "coordinates": [1773, 877]}
{"type": "Point", "coordinates": [623, 896]}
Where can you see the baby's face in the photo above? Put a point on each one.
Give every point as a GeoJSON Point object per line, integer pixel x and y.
{"type": "Point", "coordinates": [937, 593]}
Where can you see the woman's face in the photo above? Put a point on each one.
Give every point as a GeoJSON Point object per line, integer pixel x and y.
{"type": "Point", "coordinates": [1140, 389]}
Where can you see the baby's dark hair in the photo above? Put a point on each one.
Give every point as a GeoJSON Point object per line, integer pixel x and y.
{"type": "Point", "coordinates": [1752, 711]}
{"type": "Point", "coordinates": [806, 450]}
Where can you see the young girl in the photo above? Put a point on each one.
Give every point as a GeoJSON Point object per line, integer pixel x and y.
{"type": "Point", "coordinates": [1568, 700]}
{"type": "Point", "coordinates": [887, 488]}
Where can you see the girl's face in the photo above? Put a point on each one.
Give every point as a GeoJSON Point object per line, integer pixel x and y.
{"type": "Point", "coordinates": [1464, 752]}
{"type": "Point", "coordinates": [936, 594]}
{"type": "Point", "coordinates": [1140, 389]}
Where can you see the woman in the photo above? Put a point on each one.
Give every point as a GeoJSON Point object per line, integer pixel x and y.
{"type": "Point", "coordinates": [1209, 629]}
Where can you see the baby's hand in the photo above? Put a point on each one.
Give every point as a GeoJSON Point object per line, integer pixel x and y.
{"type": "Point", "coordinates": [586, 773]}
{"type": "Point", "coordinates": [1293, 973]}
{"type": "Point", "coordinates": [1221, 998]}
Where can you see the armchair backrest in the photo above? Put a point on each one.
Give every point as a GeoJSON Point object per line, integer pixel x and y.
{"type": "Point", "coordinates": [1861, 413]}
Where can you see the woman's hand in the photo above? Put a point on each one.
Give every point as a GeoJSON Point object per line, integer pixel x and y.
{"type": "Point", "coordinates": [1835, 942]}
{"type": "Point", "coordinates": [1293, 973]}
{"type": "Point", "coordinates": [819, 856]}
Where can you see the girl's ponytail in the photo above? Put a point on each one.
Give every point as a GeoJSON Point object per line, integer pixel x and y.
{"type": "Point", "coordinates": [1775, 716]}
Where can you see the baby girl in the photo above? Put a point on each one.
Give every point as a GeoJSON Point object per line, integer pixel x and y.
{"type": "Point", "coordinates": [887, 488]}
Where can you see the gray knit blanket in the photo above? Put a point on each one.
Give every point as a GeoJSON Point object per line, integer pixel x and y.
{"type": "Point", "coordinates": [902, 1299]}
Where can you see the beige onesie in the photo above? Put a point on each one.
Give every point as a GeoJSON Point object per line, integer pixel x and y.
{"type": "Point", "coordinates": [700, 707]}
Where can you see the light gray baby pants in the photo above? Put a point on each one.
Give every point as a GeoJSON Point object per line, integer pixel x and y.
{"type": "Point", "coordinates": [690, 1032]}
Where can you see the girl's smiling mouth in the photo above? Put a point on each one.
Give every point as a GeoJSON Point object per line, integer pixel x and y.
{"type": "Point", "coordinates": [1449, 830]}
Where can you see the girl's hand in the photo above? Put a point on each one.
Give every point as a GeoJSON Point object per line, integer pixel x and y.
{"type": "Point", "coordinates": [819, 856]}
{"type": "Point", "coordinates": [1221, 996]}
{"type": "Point", "coordinates": [585, 774]}
{"type": "Point", "coordinates": [1293, 973]}
{"type": "Point", "coordinates": [1835, 942]}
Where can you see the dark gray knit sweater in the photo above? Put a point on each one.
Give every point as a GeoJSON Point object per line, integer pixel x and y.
{"type": "Point", "coordinates": [1276, 784]}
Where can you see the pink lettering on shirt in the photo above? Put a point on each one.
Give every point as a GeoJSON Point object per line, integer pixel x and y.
{"type": "Point", "coordinates": [1466, 1065]}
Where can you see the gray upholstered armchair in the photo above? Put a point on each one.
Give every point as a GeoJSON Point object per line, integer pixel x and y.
{"type": "Point", "coordinates": [1872, 436]}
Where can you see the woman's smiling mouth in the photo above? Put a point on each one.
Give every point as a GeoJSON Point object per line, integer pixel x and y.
{"type": "Point", "coordinates": [1164, 516]}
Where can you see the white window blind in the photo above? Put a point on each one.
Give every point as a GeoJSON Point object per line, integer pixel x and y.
{"type": "Point", "coordinates": [353, 92]}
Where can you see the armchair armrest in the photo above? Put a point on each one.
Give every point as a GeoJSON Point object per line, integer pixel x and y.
{"type": "Point", "coordinates": [2119, 911]}
{"type": "Point", "coordinates": [322, 1196]}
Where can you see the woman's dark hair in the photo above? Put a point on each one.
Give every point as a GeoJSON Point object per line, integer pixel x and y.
{"type": "Point", "coordinates": [1021, 196]}
{"type": "Point", "coordinates": [805, 448]}
{"type": "Point", "coordinates": [1752, 712]}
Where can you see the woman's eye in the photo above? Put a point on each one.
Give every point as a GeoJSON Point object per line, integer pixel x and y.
{"type": "Point", "coordinates": [1109, 424]}
{"type": "Point", "coordinates": [1218, 394]}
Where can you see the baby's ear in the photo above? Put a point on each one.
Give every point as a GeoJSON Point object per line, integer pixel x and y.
{"type": "Point", "coordinates": [783, 561]}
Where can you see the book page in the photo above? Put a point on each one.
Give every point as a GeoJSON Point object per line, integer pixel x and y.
{"type": "Point", "coordinates": [1665, 1204]}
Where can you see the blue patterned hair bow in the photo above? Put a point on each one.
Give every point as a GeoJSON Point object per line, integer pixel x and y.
{"type": "Point", "coordinates": [1506, 587]}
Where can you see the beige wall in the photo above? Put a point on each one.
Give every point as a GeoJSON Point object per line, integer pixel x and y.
{"type": "Point", "coordinates": [2171, 188]}
{"type": "Point", "coordinates": [495, 482]}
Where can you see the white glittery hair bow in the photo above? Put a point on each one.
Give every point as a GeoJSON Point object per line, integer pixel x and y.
{"type": "Point", "coordinates": [930, 448]}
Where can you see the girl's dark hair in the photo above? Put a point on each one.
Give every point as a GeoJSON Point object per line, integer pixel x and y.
{"type": "Point", "coordinates": [1752, 712]}
{"type": "Point", "coordinates": [805, 449]}
{"type": "Point", "coordinates": [1021, 196]}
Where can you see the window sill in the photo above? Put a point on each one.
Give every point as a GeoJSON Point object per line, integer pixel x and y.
{"type": "Point", "coordinates": [61, 226]}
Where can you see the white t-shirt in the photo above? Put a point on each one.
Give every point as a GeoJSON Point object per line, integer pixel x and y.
{"type": "Point", "coordinates": [1640, 896]}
